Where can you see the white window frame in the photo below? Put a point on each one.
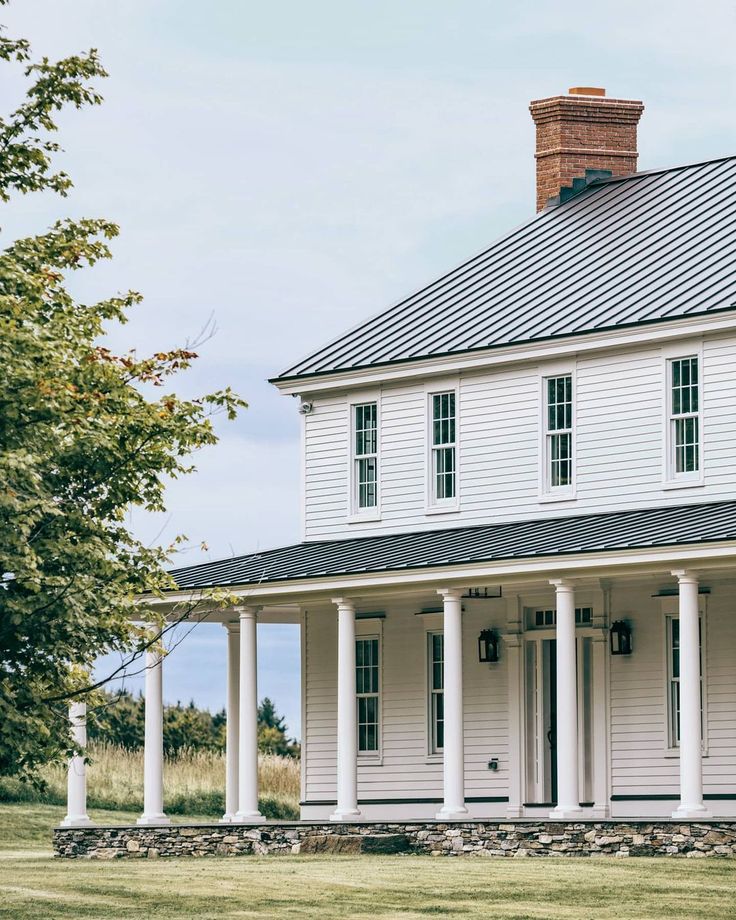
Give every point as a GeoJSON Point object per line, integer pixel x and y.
{"type": "Point", "coordinates": [673, 479]}
{"type": "Point", "coordinates": [356, 513]}
{"type": "Point", "coordinates": [435, 505]}
{"type": "Point", "coordinates": [434, 751]}
{"type": "Point", "coordinates": [548, 492]}
{"type": "Point", "coordinates": [670, 609]}
{"type": "Point", "coordinates": [377, 754]}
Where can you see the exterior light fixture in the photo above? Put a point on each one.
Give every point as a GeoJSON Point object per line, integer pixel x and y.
{"type": "Point", "coordinates": [488, 643]}
{"type": "Point", "coordinates": [621, 643]}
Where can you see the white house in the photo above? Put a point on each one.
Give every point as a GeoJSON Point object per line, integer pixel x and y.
{"type": "Point", "coordinates": [517, 580]}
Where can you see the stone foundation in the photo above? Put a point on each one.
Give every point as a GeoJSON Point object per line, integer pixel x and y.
{"type": "Point", "coordinates": [468, 838]}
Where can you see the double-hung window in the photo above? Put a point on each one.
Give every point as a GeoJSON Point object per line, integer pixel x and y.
{"type": "Point", "coordinates": [443, 460]}
{"type": "Point", "coordinates": [367, 689]}
{"type": "Point", "coordinates": [436, 692]}
{"type": "Point", "coordinates": [684, 418]}
{"type": "Point", "coordinates": [673, 680]}
{"type": "Point", "coordinates": [558, 434]}
{"type": "Point", "coordinates": [365, 457]}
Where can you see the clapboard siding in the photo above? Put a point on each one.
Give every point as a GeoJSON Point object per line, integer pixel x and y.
{"type": "Point", "coordinates": [620, 401]}
{"type": "Point", "coordinates": [406, 769]}
{"type": "Point", "coordinates": [640, 760]}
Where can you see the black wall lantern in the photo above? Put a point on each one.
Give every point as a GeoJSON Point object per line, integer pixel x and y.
{"type": "Point", "coordinates": [488, 646]}
{"type": "Point", "coordinates": [621, 643]}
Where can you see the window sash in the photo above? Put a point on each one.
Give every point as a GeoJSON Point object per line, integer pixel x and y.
{"type": "Point", "coordinates": [436, 692]}
{"type": "Point", "coordinates": [558, 419]}
{"type": "Point", "coordinates": [684, 385]}
{"type": "Point", "coordinates": [444, 446]}
{"type": "Point", "coordinates": [547, 616]}
{"type": "Point", "coordinates": [365, 453]}
{"type": "Point", "coordinates": [673, 680]}
{"type": "Point", "coordinates": [367, 692]}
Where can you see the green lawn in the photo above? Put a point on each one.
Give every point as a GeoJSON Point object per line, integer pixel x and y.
{"type": "Point", "coordinates": [32, 885]}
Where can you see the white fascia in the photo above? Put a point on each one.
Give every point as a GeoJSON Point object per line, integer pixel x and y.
{"type": "Point", "coordinates": [647, 334]}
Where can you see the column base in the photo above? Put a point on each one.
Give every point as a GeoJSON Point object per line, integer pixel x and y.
{"type": "Point", "coordinates": [77, 821]}
{"type": "Point", "coordinates": [345, 814]}
{"type": "Point", "coordinates": [153, 819]}
{"type": "Point", "coordinates": [691, 811]}
{"type": "Point", "coordinates": [452, 813]}
{"type": "Point", "coordinates": [251, 817]}
{"type": "Point", "coordinates": [565, 814]}
{"type": "Point", "coordinates": [226, 819]}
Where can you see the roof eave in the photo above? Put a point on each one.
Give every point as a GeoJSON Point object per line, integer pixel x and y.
{"type": "Point", "coordinates": [596, 563]}
{"type": "Point", "coordinates": [647, 331]}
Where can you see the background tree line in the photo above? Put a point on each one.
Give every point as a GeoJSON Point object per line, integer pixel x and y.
{"type": "Point", "coordinates": [120, 720]}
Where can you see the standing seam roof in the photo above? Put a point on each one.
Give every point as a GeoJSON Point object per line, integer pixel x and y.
{"type": "Point", "coordinates": [619, 530]}
{"type": "Point", "coordinates": [644, 248]}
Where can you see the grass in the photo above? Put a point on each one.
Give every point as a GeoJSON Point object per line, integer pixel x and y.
{"type": "Point", "coordinates": [35, 887]}
{"type": "Point", "coordinates": [194, 783]}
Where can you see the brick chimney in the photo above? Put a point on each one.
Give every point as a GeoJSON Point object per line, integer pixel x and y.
{"type": "Point", "coordinates": [584, 130]}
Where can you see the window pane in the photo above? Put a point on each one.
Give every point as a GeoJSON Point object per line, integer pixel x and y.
{"type": "Point", "coordinates": [367, 482]}
{"type": "Point", "coordinates": [443, 418]}
{"type": "Point", "coordinates": [366, 429]}
{"type": "Point", "coordinates": [687, 449]}
{"type": "Point", "coordinates": [444, 461]}
{"type": "Point", "coordinates": [440, 720]}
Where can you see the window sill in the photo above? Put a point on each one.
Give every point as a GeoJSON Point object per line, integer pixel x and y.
{"type": "Point", "coordinates": [370, 760]}
{"type": "Point", "coordinates": [367, 516]}
{"type": "Point", "coordinates": [442, 509]}
{"type": "Point", "coordinates": [675, 753]}
{"type": "Point", "coordinates": [434, 758]}
{"type": "Point", "coordinates": [547, 498]}
{"type": "Point", "coordinates": [683, 484]}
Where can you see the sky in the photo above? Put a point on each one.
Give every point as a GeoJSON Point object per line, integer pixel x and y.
{"type": "Point", "coordinates": [286, 169]}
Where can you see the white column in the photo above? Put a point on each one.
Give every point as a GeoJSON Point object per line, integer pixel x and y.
{"type": "Point", "coordinates": [153, 751]}
{"type": "Point", "coordinates": [76, 795]}
{"type": "Point", "coordinates": [513, 648]}
{"type": "Point", "coordinates": [232, 726]}
{"type": "Point", "coordinates": [568, 794]}
{"type": "Point", "coordinates": [248, 723]}
{"type": "Point", "coordinates": [600, 645]}
{"type": "Point", "coordinates": [454, 752]}
{"type": "Point", "coordinates": [691, 751]}
{"type": "Point", "coordinates": [347, 715]}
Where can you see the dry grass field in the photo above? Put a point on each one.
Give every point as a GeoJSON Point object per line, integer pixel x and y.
{"type": "Point", "coordinates": [33, 886]}
{"type": "Point", "coordinates": [194, 783]}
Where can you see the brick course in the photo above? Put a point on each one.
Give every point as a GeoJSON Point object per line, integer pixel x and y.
{"type": "Point", "coordinates": [575, 133]}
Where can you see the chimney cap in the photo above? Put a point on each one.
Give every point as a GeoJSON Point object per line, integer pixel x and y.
{"type": "Point", "coordinates": [587, 91]}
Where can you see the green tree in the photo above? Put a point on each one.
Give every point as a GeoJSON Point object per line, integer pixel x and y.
{"type": "Point", "coordinates": [82, 439]}
{"type": "Point", "coordinates": [272, 738]}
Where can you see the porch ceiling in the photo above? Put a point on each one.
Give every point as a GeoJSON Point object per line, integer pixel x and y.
{"type": "Point", "coordinates": [636, 529]}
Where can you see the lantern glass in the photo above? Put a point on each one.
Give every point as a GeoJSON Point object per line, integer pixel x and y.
{"type": "Point", "coordinates": [621, 643]}
{"type": "Point", "coordinates": [487, 646]}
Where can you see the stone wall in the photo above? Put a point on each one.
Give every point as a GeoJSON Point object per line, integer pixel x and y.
{"type": "Point", "coordinates": [476, 838]}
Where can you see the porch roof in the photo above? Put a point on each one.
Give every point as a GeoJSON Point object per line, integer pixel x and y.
{"type": "Point", "coordinates": [618, 530]}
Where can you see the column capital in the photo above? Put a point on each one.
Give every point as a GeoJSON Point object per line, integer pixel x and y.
{"type": "Point", "coordinates": [345, 602]}
{"type": "Point", "coordinates": [562, 584]}
{"type": "Point", "coordinates": [450, 594]}
{"type": "Point", "coordinates": [247, 611]}
{"type": "Point", "coordinates": [232, 626]}
{"type": "Point", "coordinates": [685, 576]}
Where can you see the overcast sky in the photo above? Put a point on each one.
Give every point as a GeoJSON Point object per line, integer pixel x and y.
{"type": "Point", "coordinates": [292, 167]}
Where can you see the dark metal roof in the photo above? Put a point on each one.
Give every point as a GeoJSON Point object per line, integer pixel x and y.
{"type": "Point", "coordinates": [618, 530]}
{"type": "Point", "coordinates": [644, 248]}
